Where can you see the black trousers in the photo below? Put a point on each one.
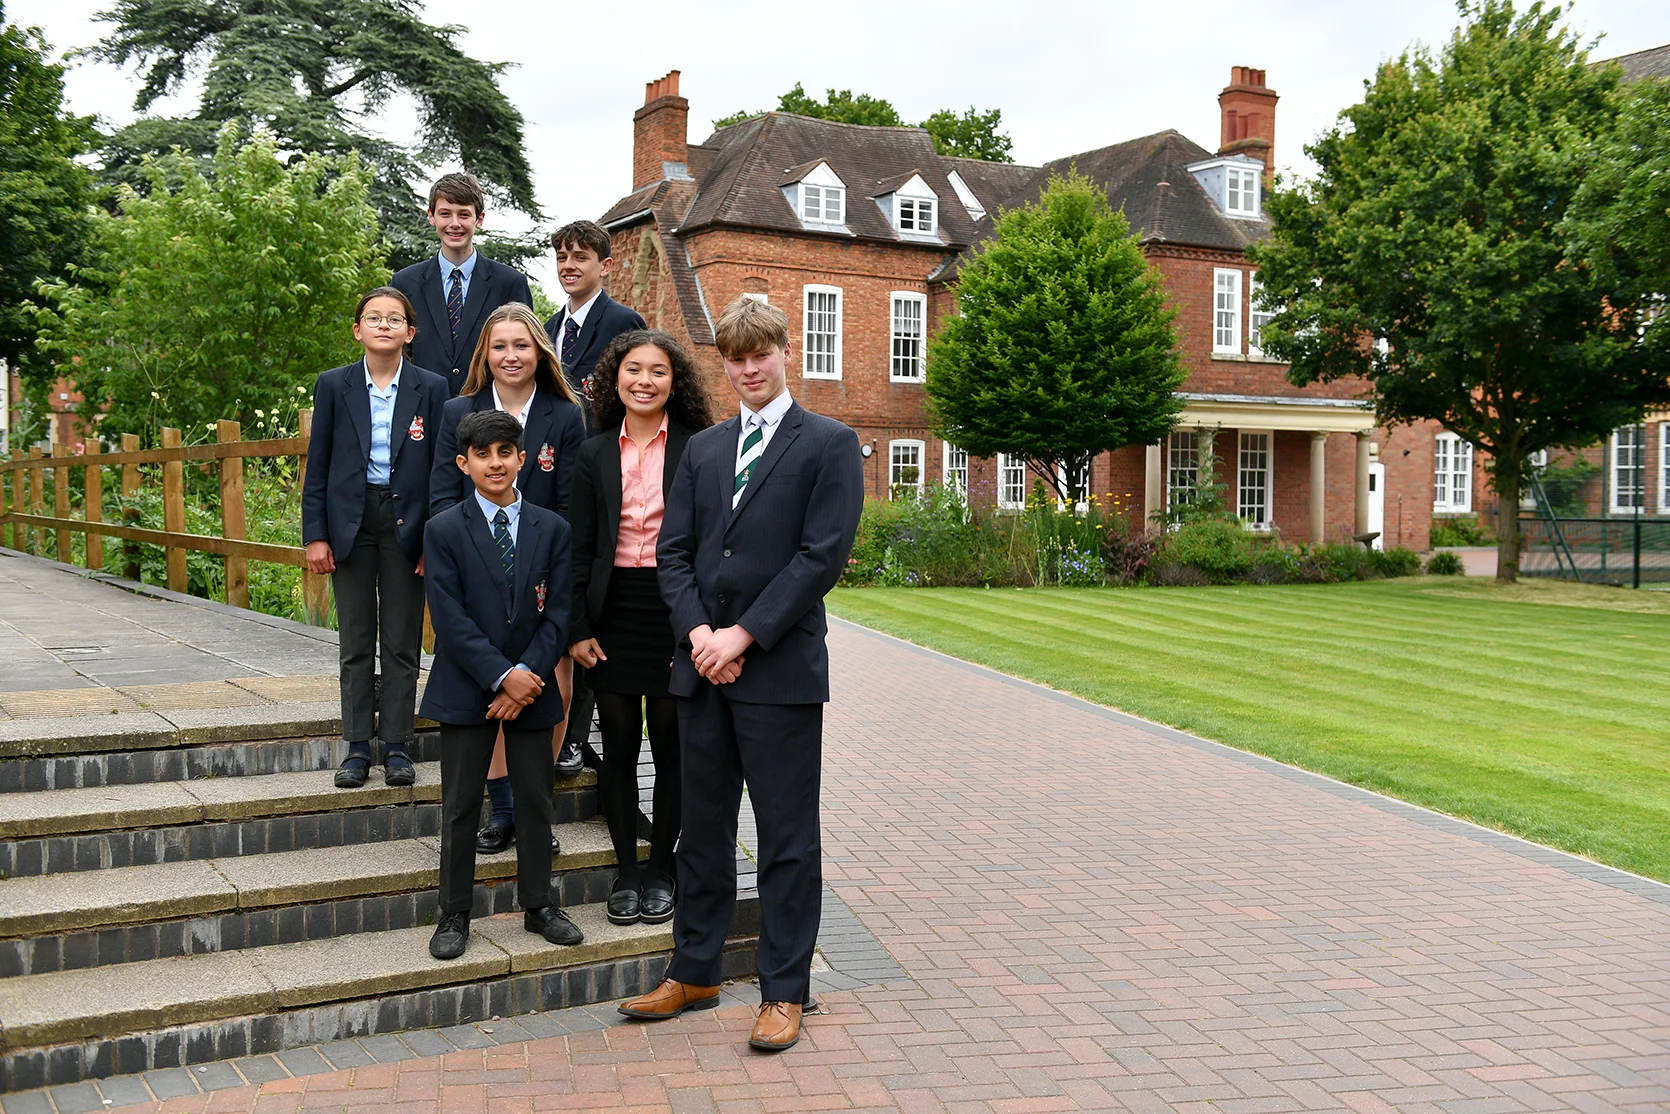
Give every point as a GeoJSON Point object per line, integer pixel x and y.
{"type": "Point", "coordinates": [379, 597]}
{"type": "Point", "coordinates": [466, 752]}
{"type": "Point", "coordinates": [622, 719]}
{"type": "Point", "coordinates": [778, 750]}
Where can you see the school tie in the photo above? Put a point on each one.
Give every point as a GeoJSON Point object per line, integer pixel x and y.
{"type": "Point", "coordinates": [455, 302]}
{"type": "Point", "coordinates": [752, 446]}
{"type": "Point", "coordinates": [507, 547]}
{"type": "Point", "coordinates": [570, 342]}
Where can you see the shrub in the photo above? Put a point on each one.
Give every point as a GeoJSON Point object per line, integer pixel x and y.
{"type": "Point", "coordinates": [1444, 564]}
{"type": "Point", "coordinates": [1463, 529]}
{"type": "Point", "coordinates": [1128, 554]}
{"type": "Point", "coordinates": [1395, 562]}
{"type": "Point", "coordinates": [1219, 548]}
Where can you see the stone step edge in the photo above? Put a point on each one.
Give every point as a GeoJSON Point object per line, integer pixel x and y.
{"type": "Point", "coordinates": [158, 804]}
{"type": "Point", "coordinates": [61, 735]}
{"type": "Point", "coordinates": [60, 903]}
{"type": "Point", "coordinates": [106, 1002]}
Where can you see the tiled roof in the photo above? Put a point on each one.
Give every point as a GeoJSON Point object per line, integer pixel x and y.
{"type": "Point", "coordinates": [991, 182]}
{"type": "Point", "coordinates": [670, 211]}
{"type": "Point", "coordinates": [1654, 62]}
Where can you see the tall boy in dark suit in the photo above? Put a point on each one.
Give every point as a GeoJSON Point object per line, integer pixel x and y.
{"type": "Point", "coordinates": [454, 292]}
{"type": "Point", "coordinates": [581, 330]}
{"type": "Point", "coordinates": [758, 526]}
{"type": "Point", "coordinates": [497, 577]}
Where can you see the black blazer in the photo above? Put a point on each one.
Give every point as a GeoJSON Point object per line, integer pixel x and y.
{"type": "Point", "coordinates": [551, 439]}
{"type": "Point", "coordinates": [491, 286]}
{"type": "Point", "coordinates": [594, 514]}
{"type": "Point", "coordinates": [484, 625]}
{"type": "Point", "coordinates": [606, 320]}
{"type": "Point", "coordinates": [767, 565]}
{"type": "Point", "coordinates": [339, 451]}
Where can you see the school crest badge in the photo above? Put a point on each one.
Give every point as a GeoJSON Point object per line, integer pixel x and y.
{"type": "Point", "coordinates": [415, 432]}
{"type": "Point", "coordinates": [547, 458]}
{"type": "Point", "coordinates": [539, 595]}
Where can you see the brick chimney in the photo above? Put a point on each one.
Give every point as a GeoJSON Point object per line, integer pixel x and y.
{"type": "Point", "coordinates": [1248, 110]}
{"type": "Point", "coordinates": [660, 147]}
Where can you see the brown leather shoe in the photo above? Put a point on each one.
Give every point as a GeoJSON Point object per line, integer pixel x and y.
{"type": "Point", "coordinates": [670, 999]}
{"type": "Point", "coordinates": [778, 1027]}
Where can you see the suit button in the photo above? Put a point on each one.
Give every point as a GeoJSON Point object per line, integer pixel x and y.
{"type": "Point", "coordinates": [727, 553]}
{"type": "Point", "coordinates": [721, 599]}
{"type": "Point", "coordinates": [394, 495]}
{"type": "Point", "coordinates": [400, 522]}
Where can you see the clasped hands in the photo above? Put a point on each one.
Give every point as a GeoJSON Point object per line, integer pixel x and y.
{"type": "Point", "coordinates": [717, 654]}
{"type": "Point", "coordinates": [519, 688]}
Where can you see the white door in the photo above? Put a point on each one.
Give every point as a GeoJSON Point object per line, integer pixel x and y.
{"type": "Point", "coordinates": [1377, 504]}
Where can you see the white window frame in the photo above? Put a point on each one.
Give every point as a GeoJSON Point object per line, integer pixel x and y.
{"type": "Point", "coordinates": [1241, 183]}
{"type": "Point", "coordinates": [953, 468]}
{"type": "Point", "coordinates": [1182, 465]}
{"type": "Point", "coordinates": [923, 216]}
{"type": "Point", "coordinates": [807, 355]}
{"type": "Point", "coordinates": [1452, 467]}
{"type": "Point", "coordinates": [1664, 467]}
{"type": "Point", "coordinates": [895, 449]}
{"type": "Point", "coordinates": [1256, 319]}
{"type": "Point", "coordinates": [896, 338]}
{"type": "Point", "coordinates": [1082, 506]}
{"type": "Point", "coordinates": [1006, 465]}
{"type": "Point", "coordinates": [971, 203]}
{"type": "Point", "coordinates": [1226, 322]}
{"type": "Point", "coordinates": [1267, 474]}
{"type": "Point", "coordinates": [832, 203]}
{"type": "Point", "coordinates": [1615, 465]}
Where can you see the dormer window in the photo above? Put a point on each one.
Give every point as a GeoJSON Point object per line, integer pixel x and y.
{"type": "Point", "coordinates": [970, 202]}
{"type": "Point", "coordinates": [1234, 182]}
{"type": "Point", "coordinates": [1240, 192]}
{"type": "Point", "coordinates": [911, 206]}
{"type": "Point", "coordinates": [817, 195]}
{"type": "Point", "coordinates": [916, 214]}
{"type": "Point", "coordinates": [822, 204]}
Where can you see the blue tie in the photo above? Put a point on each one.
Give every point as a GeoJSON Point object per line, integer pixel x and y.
{"type": "Point", "coordinates": [507, 547]}
{"type": "Point", "coordinates": [455, 303]}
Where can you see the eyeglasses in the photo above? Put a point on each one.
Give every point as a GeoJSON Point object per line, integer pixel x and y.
{"type": "Point", "coordinates": [377, 321]}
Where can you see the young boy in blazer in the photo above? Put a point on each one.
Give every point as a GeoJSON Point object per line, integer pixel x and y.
{"type": "Point", "coordinates": [496, 571]}
{"type": "Point", "coordinates": [757, 529]}
{"type": "Point", "coordinates": [455, 291]}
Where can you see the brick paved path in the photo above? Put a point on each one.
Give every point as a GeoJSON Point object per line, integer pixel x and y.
{"type": "Point", "coordinates": [1099, 915]}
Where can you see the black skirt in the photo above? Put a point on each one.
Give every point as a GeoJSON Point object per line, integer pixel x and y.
{"type": "Point", "coordinates": [636, 632]}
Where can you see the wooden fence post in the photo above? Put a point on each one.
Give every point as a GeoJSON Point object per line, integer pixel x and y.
{"type": "Point", "coordinates": [130, 513]}
{"type": "Point", "coordinates": [92, 510]}
{"type": "Point", "coordinates": [9, 532]}
{"type": "Point", "coordinates": [61, 502]}
{"type": "Point", "coordinates": [174, 510]}
{"type": "Point", "coordinates": [232, 518]}
{"type": "Point", "coordinates": [37, 502]}
{"type": "Point", "coordinates": [315, 588]}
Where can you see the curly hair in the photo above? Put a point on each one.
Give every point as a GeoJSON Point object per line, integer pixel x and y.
{"type": "Point", "coordinates": [688, 403]}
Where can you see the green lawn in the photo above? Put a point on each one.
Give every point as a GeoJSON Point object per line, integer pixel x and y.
{"type": "Point", "coordinates": [1542, 709]}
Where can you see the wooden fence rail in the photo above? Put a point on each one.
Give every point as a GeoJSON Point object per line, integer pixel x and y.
{"type": "Point", "coordinates": [24, 521]}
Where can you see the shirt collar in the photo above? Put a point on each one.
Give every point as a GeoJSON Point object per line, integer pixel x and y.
{"type": "Point", "coordinates": [490, 508]}
{"type": "Point", "coordinates": [394, 384]}
{"type": "Point", "coordinates": [577, 314]}
{"type": "Point", "coordinates": [769, 414]}
{"type": "Point", "coordinates": [498, 404]}
{"type": "Point", "coordinates": [468, 267]}
{"type": "Point", "coordinates": [662, 432]}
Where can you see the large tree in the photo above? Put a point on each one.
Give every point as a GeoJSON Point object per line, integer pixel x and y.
{"type": "Point", "coordinates": [45, 194]}
{"type": "Point", "coordinates": [974, 134]}
{"type": "Point", "coordinates": [1063, 346]}
{"type": "Point", "coordinates": [308, 71]}
{"type": "Point", "coordinates": [218, 296]}
{"type": "Point", "coordinates": [1429, 254]}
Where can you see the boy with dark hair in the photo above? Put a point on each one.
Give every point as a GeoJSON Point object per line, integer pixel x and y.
{"type": "Point", "coordinates": [454, 292]}
{"type": "Point", "coordinates": [496, 572]}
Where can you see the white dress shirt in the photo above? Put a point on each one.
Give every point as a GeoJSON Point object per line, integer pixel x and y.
{"type": "Point", "coordinates": [768, 418]}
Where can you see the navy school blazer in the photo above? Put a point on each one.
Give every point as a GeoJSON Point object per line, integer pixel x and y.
{"type": "Point", "coordinates": [484, 624]}
{"type": "Point", "coordinates": [552, 438]}
{"type": "Point", "coordinates": [605, 321]}
{"type": "Point", "coordinates": [339, 452]}
{"type": "Point", "coordinates": [491, 286]}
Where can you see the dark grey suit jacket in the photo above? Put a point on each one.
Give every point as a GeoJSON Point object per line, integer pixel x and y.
{"type": "Point", "coordinates": [491, 286]}
{"type": "Point", "coordinates": [767, 565]}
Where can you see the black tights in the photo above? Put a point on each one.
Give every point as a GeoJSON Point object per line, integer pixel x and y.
{"type": "Point", "coordinates": [621, 720]}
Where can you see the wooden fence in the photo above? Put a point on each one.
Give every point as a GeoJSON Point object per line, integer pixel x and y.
{"type": "Point", "coordinates": [23, 511]}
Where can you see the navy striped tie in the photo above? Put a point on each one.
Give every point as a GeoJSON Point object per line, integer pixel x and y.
{"type": "Point", "coordinates": [455, 303]}
{"type": "Point", "coordinates": [507, 547]}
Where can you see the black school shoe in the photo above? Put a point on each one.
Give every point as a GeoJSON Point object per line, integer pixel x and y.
{"type": "Point", "coordinates": [494, 838]}
{"type": "Point", "coordinates": [623, 905]}
{"type": "Point", "coordinates": [569, 761]}
{"type": "Point", "coordinates": [553, 924]}
{"type": "Point", "coordinates": [353, 771]}
{"type": "Point", "coordinates": [398, 770]}
{"type": "Point", "coordinates": [452, 933]}
{"type": "Point", "coordinates": [656, 906]}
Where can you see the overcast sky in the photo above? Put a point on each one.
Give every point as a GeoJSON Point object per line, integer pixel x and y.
{"type": "Point", "coordinates": [1069, 76]}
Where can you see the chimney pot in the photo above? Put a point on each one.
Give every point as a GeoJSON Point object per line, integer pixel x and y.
{"type": "Point", "coordinates": [660, 140]}
{"type": "Point", "coordinates": [1248, 117]}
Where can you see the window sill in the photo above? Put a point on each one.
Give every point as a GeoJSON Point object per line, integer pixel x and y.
{"type": "Point", "coordinates": [1238, 358]}
{"type": "Point", "coordinates": [827, 376]}
{"type": "Point", "coordinates": [915, 380]}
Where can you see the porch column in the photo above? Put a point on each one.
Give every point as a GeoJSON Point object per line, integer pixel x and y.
{"type": "Point", "coordinates": [1362, 480]}
{"type": "Point", "coordinates": [1318, 488]}
{"type": "Point", "coordinates": [1153, 488]}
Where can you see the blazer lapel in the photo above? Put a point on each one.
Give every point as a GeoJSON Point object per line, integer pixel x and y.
{"type": "Point", "coordinates": [787, 430]}
{"type": "Point", "coordinates": [405, 409]}
{"type": "Point", "coordinates": [677, 437]}
{"type": "Point", "coordinates": [434, 297]}
{"type": "Point", "coordinates": [608, 480]}
{"type": "Point", "coordinates": [481, 535]}
{"type": "Point", "coordinates": [725, 449]}
{"type": "Point", "coordinates": [483, 278]}
{"type": "Point", "coordinates": [358, 403]}
{"type": "Point", "coordinates": [527, 542]}
{"type": "Point", "coordinates": [588, 331]}
{"type": "Point", "coordinates": [535, 432]}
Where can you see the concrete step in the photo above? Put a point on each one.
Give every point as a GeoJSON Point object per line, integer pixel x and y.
{"type": "Point", "coordinates": [94, 919]}
{"type": "Point", "coordinates": [115, 826]}
{"type": "Point", "coordinates": [73, 1025]}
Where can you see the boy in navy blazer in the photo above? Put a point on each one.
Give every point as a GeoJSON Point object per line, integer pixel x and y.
{"type": "Point", "coordinates": [496, 571]}
{"type": "Point", "coordinates": [364, 504]}
{"type": "Point", "coordinates": [455, 291]}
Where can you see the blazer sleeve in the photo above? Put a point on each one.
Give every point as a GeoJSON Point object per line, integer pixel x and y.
{"type": "Point", "coordinates": [634, 319]}
{"type": "Point", "coordinates": [443, 587]}
{"type": "Point", "coordinates": [582, 523]}
{"type": "Point", "coordinates": [570, 436]}
{"type": "Point", "coordinates": [446, 481]}
{"type": "Point", "coordinates": [520, 291]}
{"type": "Point", "coordinates": [832, 512]}
{"type": "Point", "coordinates": [675, 554]}
{"type": "Point", "coordinates": [550, 641]}
{"type": "Point", "coordinates": [315, 520]}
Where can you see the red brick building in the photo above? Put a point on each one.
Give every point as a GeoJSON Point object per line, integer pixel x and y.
{"type": "Point", "coordinates": [857, 234]}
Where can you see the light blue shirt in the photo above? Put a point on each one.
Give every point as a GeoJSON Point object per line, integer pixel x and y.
{"type": "Point", "coordinates": [514, 513]}
{"type": "Point", "coordinates": [468, 267]}
{"type": "Point", "coordinates": [382, 425]}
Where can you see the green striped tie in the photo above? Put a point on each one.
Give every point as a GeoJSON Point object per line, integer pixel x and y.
{"type": "Point", "coordinates": [752, 447]}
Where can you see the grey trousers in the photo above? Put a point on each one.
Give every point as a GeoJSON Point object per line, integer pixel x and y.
{"type": "Point", "coordinates": [466, 751]}
{"type": "Point", "coordinates": [379, 598]}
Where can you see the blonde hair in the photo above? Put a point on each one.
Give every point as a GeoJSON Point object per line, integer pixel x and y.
{"type": "Point", "coordinates": [547, 375]}
{"type": "Point", "coordinates": [750, 325]}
